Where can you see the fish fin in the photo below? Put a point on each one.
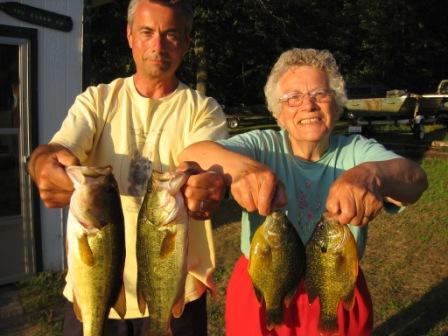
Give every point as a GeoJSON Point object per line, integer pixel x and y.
{"type": "Point", "coordinates": [356, 269]}
{"type": "Point", "coordinates": [120, 304]}
{"type": "Point", "coordinates": [311, 292]}
{"type": "Point", "coordinates": [273, 317]}
{"type": "Point", "coordinates": [84, 251]}
{"type": "Point", "coordinates": [349, 301]}
{"type": "Point", "coordinates": [141, 303]}
{"type": "Point", "coordinates": [178, 308]}
{"type": "Point", "coordinates": [259, 295]}
{"type": "Point", "coordinates": [328, 324]}
{"type": "Point", "coordinates": [168, 244]}
{"type": "Point", "coordinates": [289, 297]}
{"type": "Point", "coordinates": [76, 309]}
{"type": "Point", "coordinates": [340, 264]}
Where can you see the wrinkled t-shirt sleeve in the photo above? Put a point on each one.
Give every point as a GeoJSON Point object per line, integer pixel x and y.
{"type": "Point", "coordinates": [78, 128]}
{"type": "Point", "coordinates": [248, 144]}
{"type": "Point", "coordinates": [210, 123]}
{"type": "Point", "coordinates": [366, 150]}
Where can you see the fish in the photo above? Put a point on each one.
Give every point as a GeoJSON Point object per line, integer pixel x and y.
{"type": "Point", "coordinates": [162, 247]}
{"type": "Point", "coordinates": [95, 247]}
{"type": "Point", "coordinates": [331, 271]}
{"type": "Point", "coordinates": [276, 265]}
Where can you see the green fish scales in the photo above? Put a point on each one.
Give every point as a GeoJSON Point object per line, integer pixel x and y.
{"type": "Point", "coordinates": [331, 271]}
{"type": "Point", "coordinates": [162, 242]}
{"type": "Point", "coordinates": [95, 247]}
{"type": "Point", "coordinates": [276, 265]}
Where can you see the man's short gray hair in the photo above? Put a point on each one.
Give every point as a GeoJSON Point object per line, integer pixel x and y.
{"type": "Point", "coordinates": [184, 7]}
{"type": "Point", "coordinates": [320, 59]}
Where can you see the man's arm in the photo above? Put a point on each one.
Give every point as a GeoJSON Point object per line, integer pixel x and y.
{"type": "Point", "coordinates": [47, 169]}
{"type": "Point", "coordinates": [253, 185]}
{"type": "Point", "coordinates": [357, 195]}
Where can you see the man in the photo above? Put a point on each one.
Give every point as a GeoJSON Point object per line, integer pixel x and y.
{"type": "Point", "coordinates": [135, 124]}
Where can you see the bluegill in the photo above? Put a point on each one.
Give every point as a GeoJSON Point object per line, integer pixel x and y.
{"type": "Point", "coordinates": [331, 271]}
{"type": "Point", "coordinates": [276, 265]}
{"type": "Point", "coordinates": [95, 247]}
{"type": "Point", "coordinates": [162, 242]}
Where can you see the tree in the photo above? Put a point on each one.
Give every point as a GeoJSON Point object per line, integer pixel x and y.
{"type": "Point", "coordinates": [400, 43]}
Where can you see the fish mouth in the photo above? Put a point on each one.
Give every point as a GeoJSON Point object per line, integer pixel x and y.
{"type": "Point", "coordinates": [273, 238]}
{"type": "Point", "coordinates": [340, 238]}
{"type": "Point", "coordinates": [172, 182]}
{"type": "Point", "coordinates": [177, 182]}
{"type": "Point", "coordinates": [310, 121]}
{"type": "Point", "coordinates": [335, 240]}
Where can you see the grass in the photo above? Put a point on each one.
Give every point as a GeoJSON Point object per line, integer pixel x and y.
{"type": "Point", "coordinates": [41, 298]}
{"type": "Point", "coordinates": [405, 263]}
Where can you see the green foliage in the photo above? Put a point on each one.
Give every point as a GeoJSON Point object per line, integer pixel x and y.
{"type": "Point", "coordinates": [399, 43]}
{"type": "Point", "coordinates": [106, 52]}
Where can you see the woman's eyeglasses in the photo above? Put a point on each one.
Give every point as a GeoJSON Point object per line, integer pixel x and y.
{"type": "Point", "coordinates": [295, 99]}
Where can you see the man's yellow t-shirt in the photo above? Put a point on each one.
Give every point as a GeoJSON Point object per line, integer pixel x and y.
{"type": "Point", "coordinates": [112, 124]}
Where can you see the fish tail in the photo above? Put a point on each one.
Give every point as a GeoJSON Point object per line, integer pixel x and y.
{"type": "Point", "coordinates": [328, 324]}
{"type": "Point", "coordinates": [273, 317]}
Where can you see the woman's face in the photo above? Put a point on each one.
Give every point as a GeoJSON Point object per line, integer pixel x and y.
{"type": "Point", "coordinates": [311, 121]}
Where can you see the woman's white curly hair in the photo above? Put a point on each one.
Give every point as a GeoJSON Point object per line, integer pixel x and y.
{"type": "Point", "coordinates": [320, 59]}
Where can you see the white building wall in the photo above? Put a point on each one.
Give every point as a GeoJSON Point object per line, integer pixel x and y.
{"type": "Point", "coordinates": [59, 81]}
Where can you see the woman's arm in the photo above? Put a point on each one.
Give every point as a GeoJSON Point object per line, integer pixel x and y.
{"type": "Point", "coordinates": [253, 185]}
{"type": "Point", "coordinates": [357, 195]}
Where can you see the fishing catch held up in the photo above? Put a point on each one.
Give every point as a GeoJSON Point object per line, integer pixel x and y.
{"type": "Point", "coordinates": [95, 247]}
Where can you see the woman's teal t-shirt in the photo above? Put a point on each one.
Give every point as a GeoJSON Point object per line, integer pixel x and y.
{"type": "Point", "coordinates": [307, 183]}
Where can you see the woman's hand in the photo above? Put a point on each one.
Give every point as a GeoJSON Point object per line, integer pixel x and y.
{"type": "Point", "coordinates": [354, 197]}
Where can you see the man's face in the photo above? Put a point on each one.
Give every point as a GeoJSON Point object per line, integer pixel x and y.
{"type": "Point", "coordinates": [158, 40]}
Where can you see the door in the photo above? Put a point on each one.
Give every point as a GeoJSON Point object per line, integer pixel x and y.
{"type": "Point", "coordinates": [17, 248]}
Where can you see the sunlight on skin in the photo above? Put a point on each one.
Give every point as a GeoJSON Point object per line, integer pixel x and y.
{"type": "Point", "coordinates": [309, 125]}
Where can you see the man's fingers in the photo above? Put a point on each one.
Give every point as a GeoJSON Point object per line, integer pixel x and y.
{"type": "Point", "coordinates": [55, 199]}
{"type": "Point", "coordinates": [190, 167]}
{"type": "Point", "coordinates": [203, 191]}
{"type": "Point", "coordinates": [199, 215]}
{"type": "Point", "coordinates": [215, 194]}
{"type": "Point", "coordinates": [66, 158]}
{"type": "Point", "coordinates": [55, 178]}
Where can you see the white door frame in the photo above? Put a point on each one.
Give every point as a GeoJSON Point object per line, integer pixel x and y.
{"type": "Point", "coordinates": [22, 224]}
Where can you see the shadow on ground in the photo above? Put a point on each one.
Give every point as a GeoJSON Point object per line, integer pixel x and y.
{"type": "Point", "coordinates": [420, 317]}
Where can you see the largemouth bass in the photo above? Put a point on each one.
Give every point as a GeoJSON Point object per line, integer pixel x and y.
{"type": "Point", "coordinates": [276, 265]}
{"type": "Point", "coordinates": [95, 247]}
{"type": "Point", "coordinates": [162, 242]}
{"type": "Point", "coordinates": [331, 271]}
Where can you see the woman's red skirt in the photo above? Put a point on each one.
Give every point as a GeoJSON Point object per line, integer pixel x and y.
{"type": "Point", "coordinates": [244, 316]}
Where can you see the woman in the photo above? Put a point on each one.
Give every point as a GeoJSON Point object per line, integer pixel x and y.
{"type": "Point", "coordinates": [351, 178]}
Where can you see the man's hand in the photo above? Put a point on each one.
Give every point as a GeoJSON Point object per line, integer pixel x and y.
{"type": "Point", "coordinates": [355, 198]}
{"type": "Point", "coordinates": [47, 169]}
{"type": "Point", "coordinates": [203, 191]}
